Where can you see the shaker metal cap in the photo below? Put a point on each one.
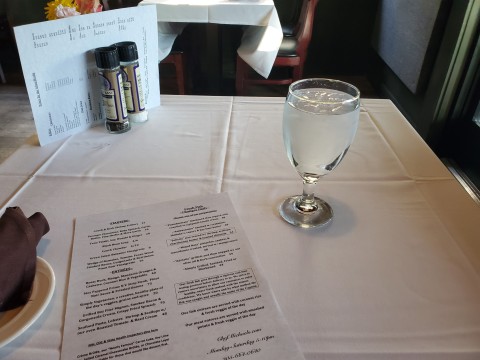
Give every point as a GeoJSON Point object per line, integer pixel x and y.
{"type": "Point", "coordinates": [127, 51]}
{"type": "Point", "coordinates": [107, 57]}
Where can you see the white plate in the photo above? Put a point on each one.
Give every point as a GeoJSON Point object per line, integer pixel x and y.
{"type": "Point", "coordinates": [16, 321]}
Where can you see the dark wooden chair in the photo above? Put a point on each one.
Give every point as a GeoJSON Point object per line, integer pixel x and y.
{"type": "Point", "coordinates": [176, 58]}
{"type": "Point", "coordinates": [291, 55]}
{"type": "Point", "coordinates": [175, 74]}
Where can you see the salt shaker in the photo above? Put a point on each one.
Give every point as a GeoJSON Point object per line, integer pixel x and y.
{"type": "Point", "coordinates": [132, 82]}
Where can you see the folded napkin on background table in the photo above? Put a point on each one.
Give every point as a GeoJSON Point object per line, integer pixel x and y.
{"type": "Point", "coordinates": [19, 237]}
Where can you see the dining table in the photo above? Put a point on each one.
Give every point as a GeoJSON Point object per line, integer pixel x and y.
{"type": "Point", "coordinates": [395, 275]}
{"type": "Point", "coordinates": [262, 33]}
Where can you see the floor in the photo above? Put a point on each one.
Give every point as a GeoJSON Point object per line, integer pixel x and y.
{"type": "Point", "coordinates": [14, 130]}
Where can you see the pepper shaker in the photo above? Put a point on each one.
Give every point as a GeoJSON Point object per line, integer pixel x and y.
{"type": "Point", "coordinates": [113, 96]}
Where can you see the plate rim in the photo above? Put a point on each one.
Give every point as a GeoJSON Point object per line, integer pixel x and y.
{"type": "Point", "coordinates": [42, 267]}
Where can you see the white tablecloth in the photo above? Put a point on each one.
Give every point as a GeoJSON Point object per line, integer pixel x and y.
{"type": "Point", "coordinates": [395, 276]}
{"type": "Point", "coordinates": [261, 39]}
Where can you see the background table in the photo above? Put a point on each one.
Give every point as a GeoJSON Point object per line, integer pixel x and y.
{"type": "Point", "coordinates": [261, 39]}
{"type": "Point", "coordinates": [395, 276]}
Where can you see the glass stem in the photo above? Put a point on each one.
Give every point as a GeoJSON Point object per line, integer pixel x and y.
{"type": "Point", "coordinates": [307, 203]}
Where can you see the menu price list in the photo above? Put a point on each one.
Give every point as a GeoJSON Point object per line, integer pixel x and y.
{"type": "Point", "coordinates": [177, 278]}
{"type": "Point", "coordinates": [60, 72]}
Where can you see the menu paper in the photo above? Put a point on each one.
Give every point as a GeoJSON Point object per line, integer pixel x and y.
{"type": "Point", "coordinates": [176, 280]}
{"type": "Point", "coordinates": [60, 72]}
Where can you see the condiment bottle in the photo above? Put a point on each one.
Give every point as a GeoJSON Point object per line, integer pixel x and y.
{"type": "Point", "coordinates": [132, 82]}
{"type": "Point", "coordinates": [113, 97]}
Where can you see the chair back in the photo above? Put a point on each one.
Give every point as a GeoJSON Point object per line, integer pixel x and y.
{"type": "Point", "coordinates": [303, 32]}
{"type": "Point", "coordinates": [291, 55]}
{"type": "Point", "coordinates": [288, 13]}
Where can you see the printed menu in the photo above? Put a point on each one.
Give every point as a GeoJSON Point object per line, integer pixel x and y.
{"type": "Point", "coordinates": [60, 72]}
{"type": "Point", "coordinates": [175, 280]}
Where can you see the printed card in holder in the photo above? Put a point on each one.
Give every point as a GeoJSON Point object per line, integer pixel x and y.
{"type": "Point", "coordinates": [176, 280]}
{"type": "Point", "coordinates": [61, 74]}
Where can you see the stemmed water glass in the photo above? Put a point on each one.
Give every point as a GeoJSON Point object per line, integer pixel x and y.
{"type": "Point", "coordinates": [320, 119]}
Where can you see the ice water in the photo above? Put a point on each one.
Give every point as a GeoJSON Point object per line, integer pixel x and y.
{"type": "Point", "coordinates": [318, 128]}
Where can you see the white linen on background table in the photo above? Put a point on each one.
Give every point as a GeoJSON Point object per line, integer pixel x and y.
{"type": "Point", "coordinates": [262, 35]}
{"type": "Point", "coordinates": [396, 275]}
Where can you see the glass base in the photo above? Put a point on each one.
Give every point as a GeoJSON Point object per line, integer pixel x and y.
{"type": "Point", "coordinates": [305, 219]}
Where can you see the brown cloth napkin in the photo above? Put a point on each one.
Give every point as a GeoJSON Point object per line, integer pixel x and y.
{"type": "Point", "coordinates": [19, 237]}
